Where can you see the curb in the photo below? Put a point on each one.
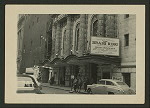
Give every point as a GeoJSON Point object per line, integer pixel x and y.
{"type": "Point", "coordinates": [62, 89]}
{"type": "Point", "coordinates": [55, 87]}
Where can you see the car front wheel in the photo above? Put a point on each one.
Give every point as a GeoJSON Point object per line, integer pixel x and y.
{"type": "Point", "coordinates": [89, 91]}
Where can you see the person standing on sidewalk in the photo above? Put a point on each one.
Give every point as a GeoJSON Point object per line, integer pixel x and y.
{"type": "Point", "coordinates": [75, 82]}
{"type": "Point", "coordinates": [72, 79]}
{"type": "Point", "coordinates": [86, 82]}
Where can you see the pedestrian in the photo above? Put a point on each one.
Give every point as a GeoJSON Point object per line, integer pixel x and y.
{"type": "Point", "coordinates": [86, 82]}
{"type": "Point", "coordinates": [52, 80]}
{"type": "Point", "coordinates": [72, 79]}
{"type": "Point", "coordinates": [79, 84]}
{"type": "Point", "coordinates": [75, 82]}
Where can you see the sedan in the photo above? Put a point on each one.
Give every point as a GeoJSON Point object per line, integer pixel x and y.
{"type": "Point", "coordinates": [28, 84]}
{"type": "Point", "coordinates": [110, 86]}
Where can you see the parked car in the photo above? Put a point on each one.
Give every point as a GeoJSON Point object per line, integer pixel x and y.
{"type": "Point", "coordinates": [110, 86]}
{"type": "Point", "coordinates": [28, 84]}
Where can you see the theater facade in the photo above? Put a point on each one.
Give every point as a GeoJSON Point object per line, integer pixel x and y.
{"type": "Point", "coordinates": [97, 46]}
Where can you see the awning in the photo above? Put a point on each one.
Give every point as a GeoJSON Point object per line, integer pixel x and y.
{"type": "Point", "coordinates": [75, 60]}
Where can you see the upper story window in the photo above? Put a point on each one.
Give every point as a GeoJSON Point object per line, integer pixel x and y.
{"type": "Point", "coordinates": [126, 16]}
{"type": "Point", "coordinates": [126, 36]}
{"type": "Point", "coordinates": [37, 19]}
{"type": "Point", "coordinates": [31, 43]}
{"type": "Point", "coordinates": [77, 36]}
{"type": "Point", "coordinates": [95, 28]}
{"type": "Point", "coordinates": [32, 23]}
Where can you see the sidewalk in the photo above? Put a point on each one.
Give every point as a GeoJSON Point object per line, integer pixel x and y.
{"type": "Point", "coordinates": [61, 88]}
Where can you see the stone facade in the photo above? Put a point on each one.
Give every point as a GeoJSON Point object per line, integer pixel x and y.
{"type": "Point", "coordinates": [75, 37]}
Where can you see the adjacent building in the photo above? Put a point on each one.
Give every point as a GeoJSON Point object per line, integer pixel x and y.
{"type": "Point", "coordinates": [20, 33]}
{"type": "Point", "coordinates": [95, 46]}
{"type": "Point", "coordinates": [36, 46]}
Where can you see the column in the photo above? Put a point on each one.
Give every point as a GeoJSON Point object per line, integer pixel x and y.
{"type": "Point", "coordinates": [53, 41]}
{"type": "Point", "coordinates": [57, 42]}
{"type": "Point", "coordinates": [81, 46]}
{"type": "Point", "coordinates": [68, 37]}
{"type": "Point", "coordinates": [67, 76]}
{"type": "Point", "coordinates": [56, 72]}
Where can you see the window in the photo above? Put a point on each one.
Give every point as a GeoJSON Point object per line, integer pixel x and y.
{"type": "Point", "coordinates": [34, 62]}
{"type": "Point", "coordinates": [77, 37]}
{"type": "Point", "coordinates": [109, 83]}
{"type": "Point", "coordinates": [102, 82]}
{"type": "Point", "coordinates": [37, 19]}
{"type": "Point", "coordinates": [64, 40]}
{"type": "Point", "coordinates": [95, 28]}
{"type": "Point", "coordinates": [126, 36]}
{"type": "Point", "coordinates": [126, 16]}
{"type": "Point", "coordinates": [31, 43]}
{"type": "Point", "coordinates": [32, 23]}
{"type": "Point", "coordinates": [127, 78]}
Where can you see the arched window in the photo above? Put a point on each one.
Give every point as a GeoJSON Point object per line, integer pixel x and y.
{"type": "Point", "coordinates": [64, 40]}
{"type": "Point", "coordinates": [95, 28]}
{"type": "Point", "coordinates": [77, 37]}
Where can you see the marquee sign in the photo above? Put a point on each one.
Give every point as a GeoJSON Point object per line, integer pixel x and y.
{"type": "Point", "coordinates": [105, 46]}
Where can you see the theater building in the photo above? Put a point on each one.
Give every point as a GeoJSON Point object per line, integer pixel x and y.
{"type": "Point", "coordinates": [98, 46]}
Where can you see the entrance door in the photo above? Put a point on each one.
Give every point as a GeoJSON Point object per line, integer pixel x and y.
{"type": "Point", "coordinates": [76, 70]}
{"type": "Point", "coordinates": [126, 77]}
{"type": "Point", "coordinates": [94, 73]}
{"type": "Point", "coordinates": [106, 75]}
{"type": "Point", "coordinates": [63, 75]}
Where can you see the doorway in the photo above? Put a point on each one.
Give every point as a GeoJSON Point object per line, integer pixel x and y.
{"type": "Point", "coordinates": [76, 70]}
{"type": "Point", "coordinates": [94, 68]}
{"type": "Point", "coordinates": [62, 78]}
{"type": "Point", "coordinates": [126, 78]}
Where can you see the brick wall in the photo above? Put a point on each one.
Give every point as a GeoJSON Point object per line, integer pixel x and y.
{"type": "Point", "coordinates": [35, 27]}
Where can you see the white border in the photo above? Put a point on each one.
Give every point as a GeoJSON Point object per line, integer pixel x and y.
{"type": "Point", "coordinates": [11, 48]}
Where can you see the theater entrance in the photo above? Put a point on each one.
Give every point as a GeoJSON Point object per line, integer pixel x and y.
{"type": "Point", "coordinates": [94, 68]}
